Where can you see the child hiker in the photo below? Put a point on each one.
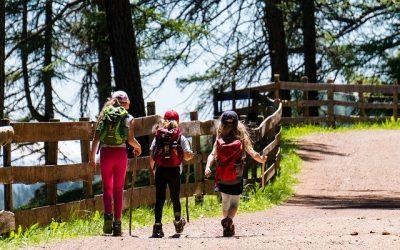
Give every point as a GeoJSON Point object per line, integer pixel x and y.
{"type": "Point", "coordinates": [167, 151]}
{"type": "Point", "coordinates": [114, 127]}
{"type": "Point", "coordinates": [232, 143]}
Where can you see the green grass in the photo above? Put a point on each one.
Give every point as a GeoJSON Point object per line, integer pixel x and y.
{"type": "Point", "coordinates": [254, 199]}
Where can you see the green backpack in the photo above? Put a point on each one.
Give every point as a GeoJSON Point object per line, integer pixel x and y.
{"type": "Point", "coordinates": [111, 128]}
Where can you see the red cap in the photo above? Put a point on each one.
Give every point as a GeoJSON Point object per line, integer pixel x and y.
{"type": "Point", "coordinates": [171, 115]}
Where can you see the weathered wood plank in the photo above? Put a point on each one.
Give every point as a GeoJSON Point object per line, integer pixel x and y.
{"type": "Point", "coordinates": [6, 134]}
{"type": "Point", "coordinates": [243, 94]}
{"type": "Point", "coordinates": [347, 88]}
{"type": "Point", "coordinates": [270, 172]}
{"type": "Point", "coordinates": [304, 86]}
{"type": "Point", "coordinates": [366, 105]}
{"type": "Point", "coordinates": [304, 103]}
{"type": "Point", "coordinates": [51, 132]}
{"type": "Point", "coordinates": [269, 123]}
{"type": "Point", "coordinates": [273, 144]}
{"type": "Point", "coordinates": [45, 174]}
{"type": "Point", "coordinates": [198, 128]}
{"type": "Point", "coordinates": [144, 125]}
{"type": "Point", "coordinates": [7, 221]}
{"type": "Point", "coordinates": [342, 118]}
{"type": "Point", "coordinates": [44, 215]}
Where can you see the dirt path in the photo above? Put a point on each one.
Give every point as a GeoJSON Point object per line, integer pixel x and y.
{"type": "Point", "coordinates": [350, 184]}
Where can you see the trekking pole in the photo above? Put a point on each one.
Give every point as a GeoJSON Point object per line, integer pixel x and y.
{"type": "Point", "coordinates": [133, 180]}
{"type": "Point", "coordinates": [186, 192]}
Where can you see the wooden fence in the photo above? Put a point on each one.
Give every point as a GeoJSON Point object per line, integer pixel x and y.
{"type": "Point", "coordinates": [267, 133]}
{"type": "Point", "coordinates": [260, 94]}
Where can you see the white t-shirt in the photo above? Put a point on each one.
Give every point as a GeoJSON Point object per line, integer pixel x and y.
{"type": "Point", "coordinates": [128, 120]}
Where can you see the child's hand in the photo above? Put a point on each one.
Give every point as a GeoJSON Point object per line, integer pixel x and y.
{"type": "Point", "coordinates": [263, 158]}
{"type": "Point", "coordinates": [138, 151]}
{"type": "Point", "coordinates": [207, 172]}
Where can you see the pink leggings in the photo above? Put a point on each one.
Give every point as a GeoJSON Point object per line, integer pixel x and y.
{"type": "Point", "coordinates": [113, 163]}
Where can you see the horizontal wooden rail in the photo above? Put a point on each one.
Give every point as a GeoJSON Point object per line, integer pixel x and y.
{"type": "Point", "coordinates": [245, 93]}
{"type": "Point", "coordinates": [63, 173]}
{"type": "Point", "coordinates": [304, 86]}
{"type": "Point", "coordinates": [51, 132]}
{"type": "Point", "coordinates": [269, 123]}
{"type": "Point", "coordinates": [142, 196]}
{"type": "Point", "coordinates": [346, 88]}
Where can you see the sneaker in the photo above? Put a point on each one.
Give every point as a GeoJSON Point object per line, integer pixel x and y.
{"type": "Point", "coordinates": [157, 231]}
{"type": "Point", "coordinates": [228, 227]}
{"type": "Point", "coordinates": [108, 221]}
{"type": "Point", "coordinates": [117, 231]}
{"type": "Point", "coordinates": [179, 225]}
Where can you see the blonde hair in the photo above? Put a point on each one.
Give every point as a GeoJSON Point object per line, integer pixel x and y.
{"type": "Point", "coordinates": [168, 124]}
{"type": "Point", "coordinates": [239, 132]}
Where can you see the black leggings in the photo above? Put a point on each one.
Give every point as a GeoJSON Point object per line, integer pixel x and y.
{"type": "Point", "coordinates": [170, 176]}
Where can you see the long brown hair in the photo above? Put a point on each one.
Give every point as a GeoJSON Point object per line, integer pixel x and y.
{"type": "Point", "coordinates": [239, 132]}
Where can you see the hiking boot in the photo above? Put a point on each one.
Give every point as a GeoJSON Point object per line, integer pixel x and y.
{"type": "Point", "coordinates": [228, 227]}
{"type": "Point", "coordinates": [107, 226]}
{"type": "Point", "coordinates": [157, 231]}
{"type": "Point", "coordinates": [179, 225]}
{"type": "Point", "coordinates": [117, 231]}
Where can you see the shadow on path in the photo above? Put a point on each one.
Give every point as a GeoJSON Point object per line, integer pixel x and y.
{"type": "Point", "coordinates": [346, 202]}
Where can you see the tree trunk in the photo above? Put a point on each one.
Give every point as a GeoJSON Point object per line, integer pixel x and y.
{"type": "Point", "coordinates": [104, 66]}
{"type": "Point", "coordinates": [310, 50]}
{"type": "Point", "coordinates": [47, 69]}
{"type": "Point", "coordinates": [24, 61]}
{"type": "Point", "coordinates": [103, 77]}
{"type": "Point", "coordinates": [273, 18]}
{"type": "Point", "coordinates": [124, 53]}
{"type": "Point", "coordinates": [2, 57]}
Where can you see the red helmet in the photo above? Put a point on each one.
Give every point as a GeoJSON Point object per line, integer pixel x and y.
{"type": "Point", "coordinates": [171, 115]}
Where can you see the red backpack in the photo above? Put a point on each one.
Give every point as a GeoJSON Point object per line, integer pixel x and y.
{"type": "Point", "coordinates": [229, 161]}
{"type": "Point", "coordinates": [168, 151]}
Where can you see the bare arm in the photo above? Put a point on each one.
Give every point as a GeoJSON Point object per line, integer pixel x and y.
{"type": "Point", "coordinates": [132, 140]}
{"type": "Point", "coordinates": [92, 154]}
{"type": "Point", "coordinates": [256, 156]}
{"type": "Point", "coordinates": [210, 161]}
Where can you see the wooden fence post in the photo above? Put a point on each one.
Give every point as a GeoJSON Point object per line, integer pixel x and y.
{"type": "Point", "coordinates": [305, 97]}
{"type": "Point", "coordinates": [395, 99]}
{"type": "Point", "coordinates": [8, 197]}
{"type": "Point", "coordinates": [151, 110]}
{"type": "Point", "coordinates": [277, 85]}
{"type": "Point", "coordinates": [361, 100]}
{"type": "Point", "coordinates": [233, 95]}
{"type": "Point", "coordinates": [198, 177]}
{"type": "Point", "coordinates": [215, 102]}
{"type": "Point", "coordinates": [51, 157]}
{"type": "Point", "coordinates": [331, 114]}
{"type": "Point", "coordinates": [85, 151]}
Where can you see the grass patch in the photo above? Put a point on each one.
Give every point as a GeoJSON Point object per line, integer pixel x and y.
{"type": "Point", "coordinates": [254, 199]}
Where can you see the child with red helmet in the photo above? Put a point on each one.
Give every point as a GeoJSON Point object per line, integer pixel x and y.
{"type": "Point", "coordinates": [232, 143]}
{"type": "Point", "coordinates": [167, 152]}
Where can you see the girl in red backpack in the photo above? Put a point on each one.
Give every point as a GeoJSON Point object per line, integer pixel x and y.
{"type": "Point", "coordinates": [232, 143]}
{"type": "Point", "coordinates": [114, 127]}
{"type": "Point", "coordinates": [168, 149]}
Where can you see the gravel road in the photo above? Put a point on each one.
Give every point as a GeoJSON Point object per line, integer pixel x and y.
{"type": "Point", "coordinates": [348, 197]}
